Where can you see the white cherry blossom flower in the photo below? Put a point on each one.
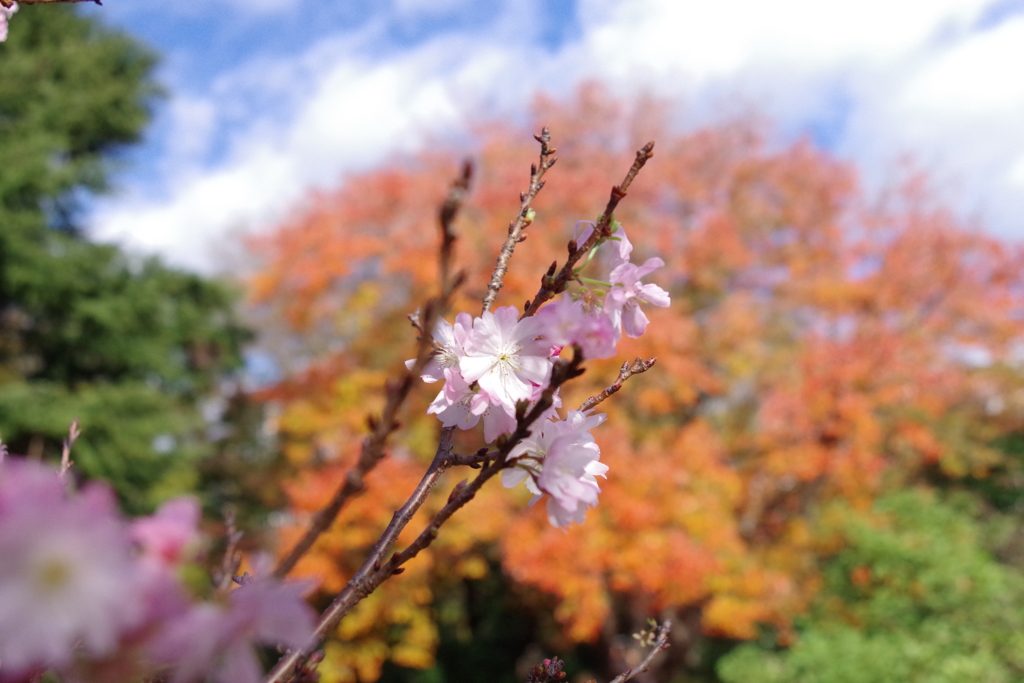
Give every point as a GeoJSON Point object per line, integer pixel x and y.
{"type": "Point", "coordinates": [450, 341]}
{"type": "Point", "coordinates": [506, 358]}
{"type": "Point", "coordinates": [560, 459]}
{"type": "Point", "coordinates": [457, 405]}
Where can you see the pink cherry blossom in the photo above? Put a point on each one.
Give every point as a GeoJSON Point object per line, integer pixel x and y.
{"type": "Point", "coordinates": [566, 322]}
{"type": "Point", "coordinates": [621, 248]}
{"type": "Point", "coordinates": [214, 641]}
{"type": "Point", "coordinates": [572, 463]}
{"type": "Point", "coordinates": [622, 303]}
{"type": "Point", "coordinates": [68, 579]}
{"type": "Point", "coordinates": [560, 459]}
{"type": "Point", "coordinates": [451, 342]}
{"type": "Point", "coordinates": [559, 517]}
{"type": "Point", "coordinates": [506, 358]}
{"type": "Point", "coordinates": [582, 232]}
{"type": "Point", "coordinates": [458, 405]}
{"type": "Point", "coordinates": [498, 420]}
{"type": "Point", "coordinates": [166, 537]}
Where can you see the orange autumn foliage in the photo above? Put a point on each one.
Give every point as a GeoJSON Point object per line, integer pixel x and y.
{"type": "Point", "coordinates": [821, 344]}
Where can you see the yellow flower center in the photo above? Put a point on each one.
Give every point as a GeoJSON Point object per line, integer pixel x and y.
{"type": "Point", "coordinates": [53, 575]}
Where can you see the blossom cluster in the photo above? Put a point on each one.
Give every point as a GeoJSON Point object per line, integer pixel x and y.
{"type": "Point", "coordinates": [498, 360]}
{"type": "Point", "coordinates": [98, 598]}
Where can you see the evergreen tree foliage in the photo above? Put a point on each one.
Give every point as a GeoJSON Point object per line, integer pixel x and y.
{"type": "Point", "coordinates": [127, 345]}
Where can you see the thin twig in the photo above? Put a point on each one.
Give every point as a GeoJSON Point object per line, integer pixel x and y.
{"type": "Point", "coordinates": [552, 284]}
{"type": "Point", "coordinates": [446, 218]}
{"type": "Point", "coordinates": [627, 370]}
{"type": "Point", "coordinates": [375, 570]}
{"type": "Point", "coordinates": [65, 455]}
{"type": "Point", "coordinates": [232, 558]}
{"type": "Point", "coordinates": [372, 448]}
{"type": "Point", "coordinates": [397, 389]}
{"type": "Point", "coordinates": [475, 461]}
{"type": "Point", "coordinates": [661, 643]}
{"type": "Point", "coordinates": [369, 575]}
{"type": "Point", "coordinates": [523, 218]}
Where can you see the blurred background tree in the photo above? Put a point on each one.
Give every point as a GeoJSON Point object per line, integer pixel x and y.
{"type": "Point", "coordinates": [916, 596]}
{"type": "Point", "coordinates": [824, 346]}
{"type": "Point", "coordinates": [136, 350]}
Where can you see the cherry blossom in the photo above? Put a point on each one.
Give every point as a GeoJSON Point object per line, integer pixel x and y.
{"type": "Point", "coordinates": [463, 406]}
{"type": "Point", "coordinates": [219, 641]}
{"type": "Point", "coordinates": [67, 576]}
{"type": "Point", "coordinates": [560, 459]}
{"type": "Point", "coordinates": [499, 361]}
{"type": "Point", "coordinates": [451, 342]}
{"type": "Point", "coordinates": [458, 404]}
{"type": "Point", "coordinates": [505, 357]}
{"type": "Point", "coordinates": [566, 322]}
{"type": "Point", "coordinates": [622, 303]}
{"type": "Point", "coordinates": [166, 537]}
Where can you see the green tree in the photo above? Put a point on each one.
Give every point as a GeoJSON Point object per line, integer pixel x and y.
{"type": "Point", "coordinates": [914, 597]}
{"type": "Point", "coordinates": [127, 345]}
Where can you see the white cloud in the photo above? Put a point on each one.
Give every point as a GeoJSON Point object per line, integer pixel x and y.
{"type": "Point", "coordinates": [909, 77]}
{"type": "Point", "coordinates": [358, 113]}
{"type": "Point", "coordinates": [193, 121]}
{"type": "Point", "coordinates": [976, 78]}
{"type": "Point", "coordinates": [957, 107]}
{"type": "Point", "coordinates": [1015, 176]}
{"type": "Point", "coordinates": [719, 39]}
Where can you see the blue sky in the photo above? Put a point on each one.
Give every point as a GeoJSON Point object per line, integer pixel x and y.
{"type": "Point", "coordinates": [203, 42]}
{"type": "Point", "coordinates": [269, 98]}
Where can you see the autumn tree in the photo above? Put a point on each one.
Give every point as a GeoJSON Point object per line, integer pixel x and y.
{"type": "Point", "coordinates": [823, 345]}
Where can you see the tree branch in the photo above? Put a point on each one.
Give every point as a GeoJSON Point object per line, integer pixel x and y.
{"type": "Point", "coordinates": [627, 370]}
{"type": "Point", "coordinates": [232, 558]}
{"type": "Point", "coordinates": [369, 575]}
{"type": "Point", "coordinates": [397, 389]}
{"type": "Point", "coordinates": [551, 284]}
{"type": "Point", "coordinates": [446, 218]}
{"type": "Point", "coordinates": [374, 571]}
{"type": "Point", "coordinates": [65, 455]}
{"type": "Point", "coordinates": [660, 643]}
{"type": "Point", "coordinates": [523, 219]}
{"type": "Point", "coordinates": [562, 372]}
{"type": "Point", "coordinates": [475, 461]}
